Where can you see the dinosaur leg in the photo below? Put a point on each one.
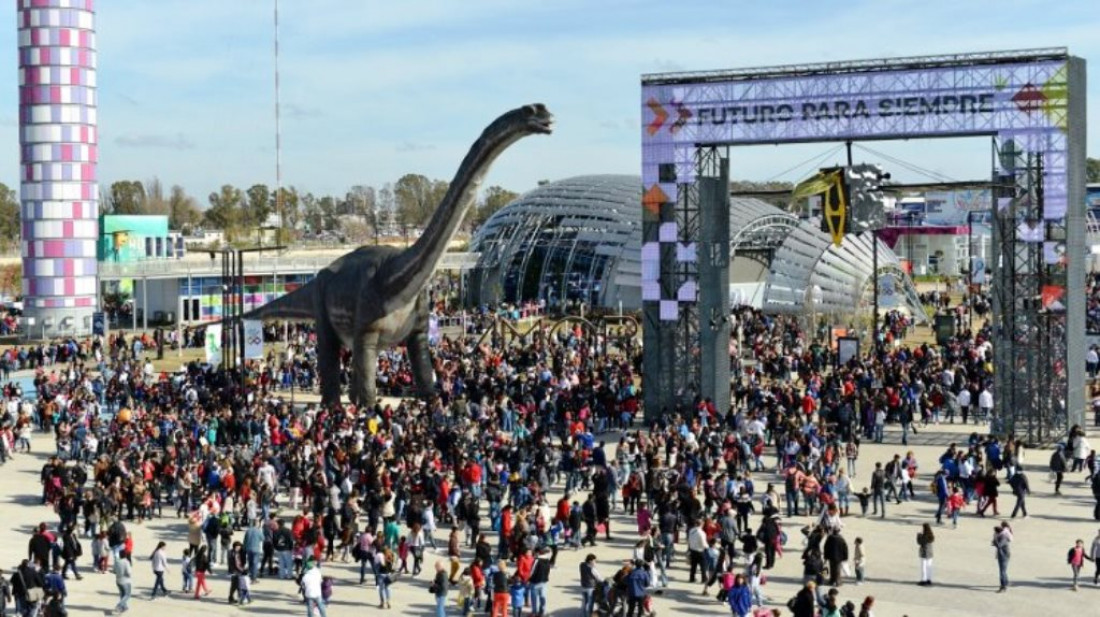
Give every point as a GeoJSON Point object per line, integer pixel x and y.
{"type": "Point", "coordinates": [328, 363]}
{"type": "Point", "coordinates": [421, 360]}
{"type": "Point", "coordinates": [364, 360]}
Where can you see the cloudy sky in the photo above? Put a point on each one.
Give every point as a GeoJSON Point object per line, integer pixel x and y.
{"type": "Point", "coordinates": [373, 89]}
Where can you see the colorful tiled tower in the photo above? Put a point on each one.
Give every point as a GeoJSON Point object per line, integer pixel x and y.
{"type": "Point", "coordinates": [59, 190]}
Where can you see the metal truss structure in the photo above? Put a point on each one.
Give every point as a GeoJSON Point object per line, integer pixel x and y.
{"type": "Point", "coordinates": [1033, 98]}
{"type": "Point", "coordinates": [1029, 305]}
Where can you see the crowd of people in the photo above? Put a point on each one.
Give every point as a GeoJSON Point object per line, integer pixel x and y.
{"type": "Point", "coordinates": [507, 466]}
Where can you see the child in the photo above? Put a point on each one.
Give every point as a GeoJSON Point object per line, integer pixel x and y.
{"type": "Point", "coordinates": [466, 592]}
{"type": "Point", "coordinates": [864, 499]}
{"type": "Point", "coordinates": [245, 589]}
{"type": "Point", "coordinates": [518, 591]}
{"type": "Point", "coordinates": [100, 551]}
{"type": "Point", "coordinates": [955, 503]}
{"type": "Point", "coordinates": [403, 555]}
{"type": "Point", "coordinates": [187, 569]}
{"type": "Point", "coordinates": [860, 558]}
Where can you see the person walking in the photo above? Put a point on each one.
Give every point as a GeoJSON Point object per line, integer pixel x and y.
{"type": "Point", "coordinates": [835, 551]}
{"type": "Point", "coordinates": [312, 580]}
{"type": "Point", "coordinates": [925, 539]}
{"type": "Point", "coordinates": [1058, 467]}
{"type": "Point", "coordinates": [439, 587]}
{"type": "Point", "coordinates": [1002, 543]}
{"type": "Point", "coordinates": [1094, 556]}
{"type": "Point", "coordinates": [124, 581]}
{"type": "Point", "coordinates": [1076, 558]}
{"type": "Point", "coordinates": [159, 560]}
{"type": "Point", "coordinates": [637, 584]}
{"type": "Point", "coordinates": [1020, 488]}
{"type": "Point", "coordinates": [71, 550]}
{"type": "Point", "coordinates": [202, 568]}
{"type": "Point", "coordinates": [878, 490]}
{"type": "Point", "coordinates": [739, 597]}
{"type": "Point", "coordinates": [590, 578]}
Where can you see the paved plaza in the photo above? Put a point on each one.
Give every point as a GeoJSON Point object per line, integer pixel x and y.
{"type": "Point", "coordinates": [965, 569]}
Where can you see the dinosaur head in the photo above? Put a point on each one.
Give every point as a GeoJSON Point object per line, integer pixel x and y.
{"type": "Point", "coordinates": [531, 119]}
{"type": "Point", "coordinates": [537, 118]}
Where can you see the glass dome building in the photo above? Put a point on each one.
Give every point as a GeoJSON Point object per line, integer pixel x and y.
{"type": "Point", "coordinates": [579, 239]}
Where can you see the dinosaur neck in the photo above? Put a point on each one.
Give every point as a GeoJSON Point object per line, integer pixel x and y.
{"type": "Point", "coordinates": [408, 272]}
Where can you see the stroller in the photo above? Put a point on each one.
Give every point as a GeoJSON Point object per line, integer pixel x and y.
{"type": "Point", "coordinates": [610, 601]}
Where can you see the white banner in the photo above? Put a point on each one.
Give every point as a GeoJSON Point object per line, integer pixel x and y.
{"type": "Point", "coordinates": [253, 338]}
{"type": "Point", "coordinates": [214, 344]}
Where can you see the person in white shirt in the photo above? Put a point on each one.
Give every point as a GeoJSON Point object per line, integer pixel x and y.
{"type": "Point", "coordinates": [159, 561]}
{"type": "Point", "coordinates": [311, 589]}
{"type": "Point", "coordinates": [985, 404]}
{"type": "Point", "coordinates": [963, 398]}
{"type": "Point", "coordinates": [697, 543]}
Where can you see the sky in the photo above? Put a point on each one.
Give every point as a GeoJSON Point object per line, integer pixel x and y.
{"type": "Point", "coordinates": [375, 89]}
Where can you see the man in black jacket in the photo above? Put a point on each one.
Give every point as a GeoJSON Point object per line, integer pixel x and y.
{"type": "Point", "coordinates": [540, 576]}
{"type": "Point", "coordinates": [283, 542]}
{"type": "Point", "coordinates": [804, 604]}
{"type": "Point", "coordinates": [40, 546]}
{"type": "Point", "coordinates": [836, 553]}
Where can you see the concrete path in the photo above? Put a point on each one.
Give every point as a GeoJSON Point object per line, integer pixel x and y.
{"type": "Point", "coordinates": [965, 569]}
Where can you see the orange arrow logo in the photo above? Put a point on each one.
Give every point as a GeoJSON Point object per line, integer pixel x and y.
{"type": "Point", "coordinates": [659, 116]}
{"type": "Point", "coordinates": [653, 199]}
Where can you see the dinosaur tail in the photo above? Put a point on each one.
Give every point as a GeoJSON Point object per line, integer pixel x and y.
{"type": "Point", "coordinates": [294, 306]}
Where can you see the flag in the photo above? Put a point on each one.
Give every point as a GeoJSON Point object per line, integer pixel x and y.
{"type": "Point", "coordinates": [253, 338]}
{"type": "Point", "coordinates": [214, 344]}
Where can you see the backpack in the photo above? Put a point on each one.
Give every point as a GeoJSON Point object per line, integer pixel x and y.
{"type": "Point", "coordinates": [1069, 557]}
{"type": "Point", "coordinates": [326, 588]}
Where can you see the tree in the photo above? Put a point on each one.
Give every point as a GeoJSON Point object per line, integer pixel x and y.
{"type": "Point", "coordinates": [413, 195]}
{"type": "Point", "coordinates": [183, 212]}
{"type": "Point", "coordinates": [364, 204]}
{"type": "Point", "coordinates": [385, 207]}
{"type": "Point", "coordinates": [493, 199]}
{"type": "Point", "coordinates": [154, 201]}
{"type": "Point", "coordinates": [329, 211]}
{"type": "Point", "coordinates": [311, 213]}
{"type": "Point", "coordinates": [11, 279]}
{"type": "Point", "coordinates": [287, 208]}
{"type": "Point", "coordinates": [1092, 170]}
{"type": "Point", "coordinates": [127, 197]}
{"type": "Point", "coordinates": [258, 205]}
{"type": "Point", "coordinates": [225, 209]}
{"type": "Point", "coordinates": [9, 217]}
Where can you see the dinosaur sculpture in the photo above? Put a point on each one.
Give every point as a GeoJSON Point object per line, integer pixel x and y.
{"type": "Point", "coordinates": [373, 296]}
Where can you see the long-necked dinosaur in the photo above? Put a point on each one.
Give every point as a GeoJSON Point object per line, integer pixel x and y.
{"type": "Point", "coordinates": [374, 296]}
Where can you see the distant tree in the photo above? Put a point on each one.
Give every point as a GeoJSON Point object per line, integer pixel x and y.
{"type": "Point", "coordinates": [225, 209]}
{"type": "Point", "coordinates": [258, 205]}
{"type": "Point", "coordinates": [9, 217]}
{"type": "Point", "coordinates": [329, 207]}
{"type": "Point", "coordinates": [127, 197]}
{"type": "Point", "coordinates": [1092, 170]}
{"type": "Point", "coordinates": [413, 201]}
{"type": "Point", "coordinates": [493, 199]}
{"type": "Point", "coordinates": [183, 211]}
{"type": "Point", "coordinates": [287, 206]}
{"type": "Point", "coordinates": [154, 201]}
{"type": "Point", "coordinates": [11, 279]}
{"type": "Point", "coordinates": [385, 210]}
{"type": "Point", "coordinates": [364, 204]}
{"type": "Point", "coordinates": [311, 213]}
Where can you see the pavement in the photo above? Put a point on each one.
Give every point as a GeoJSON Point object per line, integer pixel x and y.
{"type": "Point", "coordinates": [965, 571]}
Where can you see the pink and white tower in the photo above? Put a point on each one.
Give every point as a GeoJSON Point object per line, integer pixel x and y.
{"type": "Point", "coordinates": [59, 190]}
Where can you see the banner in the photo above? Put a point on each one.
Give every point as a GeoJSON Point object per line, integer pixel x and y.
{"type": "Point", "coordinates": [433, 330]}
{"type": "Point", "coordinates": [253, 338]}
{"type": "Point", "coordinates": [214, 344]}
